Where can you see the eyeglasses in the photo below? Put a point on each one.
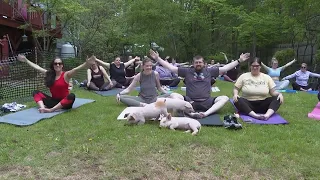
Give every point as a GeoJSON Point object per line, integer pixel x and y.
{"type": "Point", "coordinates": [303, 67]}
{"type": "Point", "coordinates": [57, 64]}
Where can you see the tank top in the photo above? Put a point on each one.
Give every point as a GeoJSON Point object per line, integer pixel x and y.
{"type": "Point", "coordinates": [148, 91]}
{"type": "Point", "coordinates": [60, 88]}
{"type": "Point", "coordinates": [97, 77]}
{"type": "Point", "coordinates": [118, 74]}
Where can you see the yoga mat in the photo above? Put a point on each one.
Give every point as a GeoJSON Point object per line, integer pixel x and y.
{"type": "Point", "coordinates": [212, 120]}
{"type": "Point", "coordinates": [111, 92]}
{"type": "Point", "coordinates": [287, 91]}
{"type": "Point", "coordinates": [313, 92]}
{"type": "Point", "coordinates": [126, 111]}
{"type": "Point", "coordinates": [315, 114]}
{"type": "Point", "coordinates": [274, 119]}
{"type": "Point", "coordinates": [32, 115]}
{"type": "Point", "coordinates": [212, 89]}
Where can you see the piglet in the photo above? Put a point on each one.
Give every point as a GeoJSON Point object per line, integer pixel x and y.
{"type": "Point", "coordinates": [184, 123]}
{"type": "Point", "coordinates": [149, 111]}
{"type": "Point", "coordinates": [178, 104]}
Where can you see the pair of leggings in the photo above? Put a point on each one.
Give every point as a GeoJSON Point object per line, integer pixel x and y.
{"type": "Point", "coordinates": [136, 100]}
{"type": "Point", "coordinates": [297, 87]}
{"type": "Point", "coordinates": [281, 84]}
{"type": "Point", "coordinates": [260, 106]}
{"type": "Point", "coordinates": [170, 82]}
{"type": "Point", "coordinates": [125, 84]}
{"type": "Point", "coordinates": [105, 87]}
{"type": "Point", "coordinates": [50, 102]}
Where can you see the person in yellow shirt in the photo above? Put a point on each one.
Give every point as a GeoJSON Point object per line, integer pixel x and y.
{"type": "Point", "coordinates": [259, 98]}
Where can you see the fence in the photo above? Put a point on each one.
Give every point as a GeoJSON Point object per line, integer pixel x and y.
{"type": "Point", "coordinates": [18, 80]}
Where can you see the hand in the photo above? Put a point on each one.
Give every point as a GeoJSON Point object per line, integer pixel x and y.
{"type": "Point", "coordinates": [111, 83]}
{"type": "Point", "coordinates": [118, 98]}
{"type": "Point", "coordinates": [88, 84]}
{"type": "Point", "coordinates": [223, 53]}
{"type": "Point", "coordinates": [91, 60]}
{"type": "Point", "coordinates": [154, 55]}
{"type": "Point", "coordinates": [22, 58]}
{"type": "Point", "coordinates": [280, 97]}
{"type": "Point", "coordinates": [235, 98]}
{"type": "Point", "coordinates": [244, 57]}
{"type": "Point", "coordinates": [294, 60]}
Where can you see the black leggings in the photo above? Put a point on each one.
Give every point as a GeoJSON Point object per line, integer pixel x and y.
{"type": "Point", "coordinates": [297, 87]}
{"type": "Point", "coordinates": [261, 106]}
{"type": "Point", "coordinates": [50, 102]}
{"type": "Point", "coordinates": [105, 87]}
{"type": "Point", "coordinates": [125, 84]}
{"type": "Point", "coordinates": [170, 82]}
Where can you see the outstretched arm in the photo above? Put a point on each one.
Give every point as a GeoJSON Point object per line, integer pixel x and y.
{"type": "Point", "coordinates": [265, 67]}
{"type": "Point", "coordinates": [72, 72]}
{"type": "Point", "coordinates": [288, 64]}
{"type": "Point", "coordinates": [227, 67]}
{"type": "Point", "coordinates": [158, 83]}
{"type": "Point", "coordinates": [22, 58]}
{"type": "Point", "coordinates": [165, 64]}
{"type": "Point", "coordinates": [314, 75]}
{"type": "Point", "coordinates": [126, 64]}
{"type": "Point", "coordinates": [107, 65]}
{"type": "Point", "coordinates": [132, 85]}
{"type": "Point", "coordinates": [88, 77]}
{"type": "Point", "coordinates": [289, 76]}
{"type": "Point", "coordinates": [225, 57]}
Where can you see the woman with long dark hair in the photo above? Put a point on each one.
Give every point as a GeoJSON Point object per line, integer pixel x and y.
{"type": "Point", "coordinates": [57, 81]}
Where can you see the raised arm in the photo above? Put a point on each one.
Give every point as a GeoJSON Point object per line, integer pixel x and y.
{"type": "Point", "coordinates": [227, 67]}
{"type": "Point", "coordinates": [288, 64]}
{"type": "Point", "coordinates": [158, 83]}
{"type": "Point", "coordinates": [225, 57]}
{"type": "Point", "coordinates": [132, 85]}
{"type": "Point", "coordinates": [107, 65]}
{"type": "Point", "coordinates": [126, 64]}
{"type": "Point", "coordinates": [105, 75]}
{"type": "Point", "coordinates": [265, 67]}
{"type": "Point", "coordinates": [22, 58]}
{"type": "Point", "coordinates": [72, 72]}
{"type": "Point", "coordinates": [165, 64]}
{"type": "Point", "coordinates": [88, 77]}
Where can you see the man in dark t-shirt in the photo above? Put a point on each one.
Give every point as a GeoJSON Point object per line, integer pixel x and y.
{"type": "Point", "coordinates": [198, 83]}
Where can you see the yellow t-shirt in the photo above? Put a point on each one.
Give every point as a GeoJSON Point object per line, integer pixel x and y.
{"type": "Point", "coordinates": [255, 88]}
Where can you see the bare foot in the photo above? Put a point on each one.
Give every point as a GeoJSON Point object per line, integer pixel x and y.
{"type": "Point", "coordinates": [197, 115]}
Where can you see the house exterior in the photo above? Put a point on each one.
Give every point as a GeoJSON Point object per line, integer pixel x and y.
{"type": "Point", "coordinates": [16, 40]}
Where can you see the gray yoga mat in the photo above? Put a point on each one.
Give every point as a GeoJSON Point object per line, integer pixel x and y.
{"type": "Point", "coordinates": [212, 120]}
{"type": "Point", "coordinates": [111, 92]}
{"type": "Point", "coordinates": [30, 116]}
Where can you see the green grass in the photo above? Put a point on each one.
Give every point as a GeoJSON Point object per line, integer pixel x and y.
{"type": "Point", "coordinates": [89, 143]}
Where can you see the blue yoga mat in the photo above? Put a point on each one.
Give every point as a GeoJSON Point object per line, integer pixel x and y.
{"type": "Point", "coordinates": [287, 91]}
{"type": "Point", "coordinates": [32, 115]}
{"type": "Point", "coordinates": [111, 92]}
{"type": "Point", "coordinates": [313, 92]}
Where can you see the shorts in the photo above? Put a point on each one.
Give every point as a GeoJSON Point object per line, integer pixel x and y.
{"type": "Point", "coordinates": [201, 105]}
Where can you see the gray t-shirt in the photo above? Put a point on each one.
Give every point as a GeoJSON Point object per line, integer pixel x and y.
{"type": "Point", "coordinates": [198, 84]}
{"type": "Point", "coordinates": [148, 91]}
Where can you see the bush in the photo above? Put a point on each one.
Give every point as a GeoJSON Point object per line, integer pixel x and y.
{"type": "Point", "coordinates": [284, 56]}
{"type": "Point", "coordinates": [218, 58]}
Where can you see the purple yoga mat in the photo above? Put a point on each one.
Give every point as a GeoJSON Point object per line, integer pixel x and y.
{"type": "Point", "coordinates": [274, 119]}
{"type": "Point", "coordinates": [315, 114]}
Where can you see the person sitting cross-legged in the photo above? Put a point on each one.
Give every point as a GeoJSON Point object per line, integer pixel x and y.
{"type": "Point", "coordinates": [256, 89]}
{"type": "Point", "coordinates": [96, 76]}
{"type": "Point", "coordinates": [57, 81]}
{"type": "Point", "coordinates": [198, 84]}
{"type": "Point", "coordinates": [167, 78]}
{"type": "Point", "coordinates": [149, 84]}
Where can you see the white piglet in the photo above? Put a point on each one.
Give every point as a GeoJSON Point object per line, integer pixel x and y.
{"type": "Point", "coordinates": [184, 123]}
{"type": "Point", "coordinates": [178, 104]}
{"type": "Point", "coordinates": [149, 111]}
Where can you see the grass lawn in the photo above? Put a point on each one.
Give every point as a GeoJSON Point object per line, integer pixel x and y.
{"type": "Point", "coordinates": [89, 143]}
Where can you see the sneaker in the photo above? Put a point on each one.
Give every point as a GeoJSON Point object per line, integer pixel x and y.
{"type": "Point", "coordinates": [231, 122]}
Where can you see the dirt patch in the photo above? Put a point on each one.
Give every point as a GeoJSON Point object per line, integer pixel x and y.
{"type": "Point", "coordinates": [25, 172]}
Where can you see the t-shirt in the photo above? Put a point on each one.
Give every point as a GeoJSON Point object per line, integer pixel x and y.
{"type": "Point", "coordinates": [255, 88]}
{"type": "Point", "coordinates": [198, 84]}
{"type": "Point", "coordinates": [118, 74]}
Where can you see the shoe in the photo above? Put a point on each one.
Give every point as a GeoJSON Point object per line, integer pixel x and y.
{"type": "Point", "coordinates": [231, 122]}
